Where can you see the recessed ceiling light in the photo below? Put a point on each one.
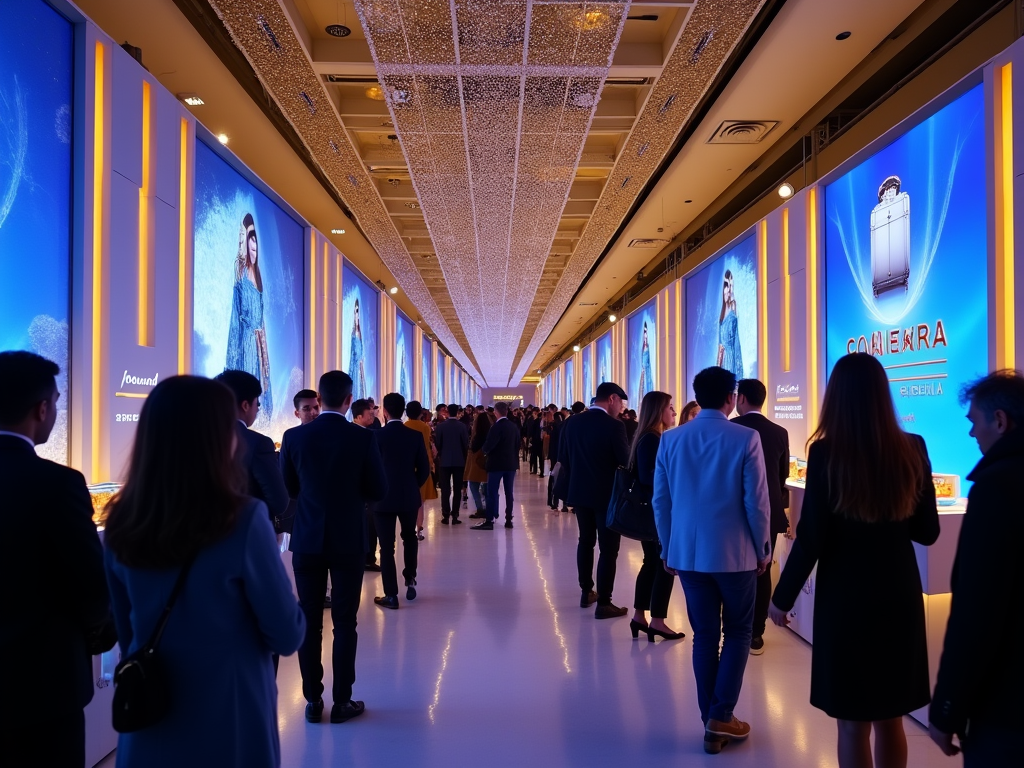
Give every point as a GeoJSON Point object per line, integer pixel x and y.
{"type": "Point", "coordinates": [575, 347]}
{"type": "Point", "coordinates": [394, 290]}
{"type": "Point", "coordinates": [337, 30]}
{"type": "Point", "coordinates": [612, 318]}
{"type": "Point", "coordinates": [376, 93]}
{"type": "Point", "coordinates": [337, 231]}
{"type": "Point", "coordinates": [843, 35]}
{"type": "Point", "coordinates": [192, 99]}
{"type": "Point", "coordinates": [786, 190]}
{"type": "Point", "coordinates": [222, 138]}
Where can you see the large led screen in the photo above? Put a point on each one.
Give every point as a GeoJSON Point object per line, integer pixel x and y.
{"type": "Point", "coordinates": [453, 386]}
{"type": "Point", "coordinates": [570, 381]}
{"type": "Point", "coordinates": [721, 314]}
{"type": "Point", "coordinates": [405, 360]}
{"type": "Point", "coordinates": [548, 391]}
{"type": "Point", "coordinates": [425, 361]}
{"type": "Point", "coordinates": [587, 364]}
{"type": "Point", "coordinates": [642, 337]}
{"type": "Point", "coordinates": [36, 80]}
{"type": "Point", "coordinates": [360, 317]}
{"type": "Point", "coordinates": [439, 379]}
{"type": "Point", "coordinates": [248, 288]}
{"type": "Point", "coordinates": [604, 360]}
{"type": "Point", "coordinates": [906, 278]}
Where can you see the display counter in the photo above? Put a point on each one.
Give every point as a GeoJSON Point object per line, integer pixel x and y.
{"type": "Point", "coordinates": [935, 564]}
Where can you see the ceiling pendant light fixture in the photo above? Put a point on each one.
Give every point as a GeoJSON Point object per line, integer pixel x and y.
{"type": "Point", "coordinates": [591, 20]}
{"type": "Point", "coordinates": [375, 92]}
{"type": "Point", "coordinates": [338, 29]}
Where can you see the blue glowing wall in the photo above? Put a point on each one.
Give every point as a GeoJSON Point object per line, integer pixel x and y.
{"type": "Point", "coordinates": [604, 360]}
{"type": "Point", "coordinates": [642, 337]}
{"type": "Point", "coordinates": [427, 378]}
{"type": "Point", "coordinates": [360, 319]}
{"type": "Point", "coordinates": [405, 360]}
{"type": "Point", "coordinates": [587, 365]}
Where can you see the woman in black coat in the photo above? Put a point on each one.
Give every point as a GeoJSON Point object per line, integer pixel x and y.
{"type": "Point", "coordinates": [869, 496]}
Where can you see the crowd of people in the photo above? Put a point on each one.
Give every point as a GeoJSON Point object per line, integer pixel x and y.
{"type": "Point", "coordinates": [195, 533]}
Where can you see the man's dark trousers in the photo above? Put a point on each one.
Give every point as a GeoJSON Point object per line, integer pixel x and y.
{"type": "Point", "coordinates": [385, 522]}
{"type": "Point", "coordinates": [593, 529]}
{"type": "Point", "coordinates": [347, 584]}
{"type": "Point", "coordinates": [451, 479]}
{"type": "Point", "coordinates": [507, 479]}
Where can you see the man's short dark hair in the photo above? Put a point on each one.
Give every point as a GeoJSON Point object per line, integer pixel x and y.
{"type": "Point", "coordinates": [453, 409]}
{"type": "Point", "coordinates": [712, 387]}
{"type": "Point", "coordinates": [335, 389]}
{"type": "Point", "coordinates": [501, 408]}
{"type": "Point", "coordinates": [608, 388]}
{"type": "Point", "coordinates": [360, 406]}
{"type": "Point", "coordinates": [999, 391]}
{"type": "Point", "coordinates": [303, 394]}
{"type": "Point", "coordinates": [753, 390]}
{"type": "Point", "coordinates": [245, 386]}
{"type": "Point", "coordinates": [440, 407]}
{"type": "Point", "coordinates": [26, 379]}
{"type": "Point", "coordinates": [394, 405]}
{"type": "Point", "coordinates": [413, 409]}
{"type": "Point", "coordinates": [578, 407]}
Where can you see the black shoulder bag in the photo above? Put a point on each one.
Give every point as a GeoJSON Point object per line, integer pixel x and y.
{"type": "Point", "coordinates": [630, 512]}
{"type": "Point", "coordinates": [141, 698]}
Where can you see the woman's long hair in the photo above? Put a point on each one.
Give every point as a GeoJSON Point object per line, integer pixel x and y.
{"type": "Point", "coordinates": [731, 304]}
{"type": "Point", "coordinates": [651, 408]}
{"type": "Point", "coordinates": [184, 488]}
{"type": "Point", "coordinates": [875, 470]}
{"type": "Point", "coordinates": [690, 407]}
{"type": "Point", "coordinates": [481, 427]}
{"type": "Point", "coordinates": [247, 233]}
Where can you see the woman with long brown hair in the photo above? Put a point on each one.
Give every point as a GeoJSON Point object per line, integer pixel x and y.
{"type": "Point", "coordinates": [869, 496]}
{"type": "Point", "coordinates": [182, 513]}
{"type": "Point", "coordinates": [689, 412]}
{"type": "Point", "coordinates": [653, 582]}
{"type": "Point", "coordinates": [475, 473]}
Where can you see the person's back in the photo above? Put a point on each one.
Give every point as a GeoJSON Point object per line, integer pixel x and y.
{"type": "Point", "coordinates": [452, 440]}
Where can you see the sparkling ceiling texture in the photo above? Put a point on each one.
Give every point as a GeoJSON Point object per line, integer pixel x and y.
{"type": "Point", "coordinates": [262, 32]}
{"type": "Point", "coordinates": [711, 33]}
{"type": "Point", "coordinates": [492, 101]}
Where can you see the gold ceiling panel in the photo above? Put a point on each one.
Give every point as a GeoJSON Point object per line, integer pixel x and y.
{"type": "Point", "coordinates": [492, 102]}
{"type": "Point", "coordinates": [262, 32]}
{"type": "Point", "coordinates": [712, 31]}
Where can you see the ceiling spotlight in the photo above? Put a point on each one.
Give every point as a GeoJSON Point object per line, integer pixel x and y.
{"type": "Point", "coordinates": [843, 35]}
{"type": "Point", "coordinates": [575, 347]}
{"type": "Point", "coordinates": [222, 138]}
{"type": "Point", "coordinates": [591, 20]}
{"type": "Point", "coordinates": [394, 290]}
{"type": "Point", "coordinates": [612, 318]}
{"type": "Point", "coordinates": [375, 92]}
{"type": "Point", "coordinates": [786, 191]}
{"type": "Point", "coordinates": [192, 99]}
{"type": "Point", "coordinates": [337, 231]}
{"type": "Point", "coordinates": [337, 30]}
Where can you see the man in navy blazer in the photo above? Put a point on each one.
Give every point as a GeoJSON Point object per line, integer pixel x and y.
{"type": "Point", "coordinates": [256, 452]}
{"type": "Point", "coordinates": [452, 440]}
{"type": "Point", "coordinates": [501, 454]}
{"type": "Point", "coordinates": [407, 467]}
{"type": "Point", "coordinates": [712, 513]}
{"type": "Point", "coordinates": [333, 469]}
{"type": "Point", "coordinates": [46, 516]}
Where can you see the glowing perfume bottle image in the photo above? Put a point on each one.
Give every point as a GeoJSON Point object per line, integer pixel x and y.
{"type": "Point", "coordinates": [890, 238]}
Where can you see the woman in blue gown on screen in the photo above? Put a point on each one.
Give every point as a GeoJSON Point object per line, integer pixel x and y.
{"type": "Point", "coordinates": [247, 334]}
{"type": "Point", "coordinates": [729, 355]}
{"type": "Point", "coordinates": [646, 372]}
{"type": "Point", "coordinates": [356, 368]}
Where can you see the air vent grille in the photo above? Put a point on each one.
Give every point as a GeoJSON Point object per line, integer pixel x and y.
{"type": "Point", "coordinates": [647, 242]}
{"type": "Point", "coordinates": [742, 131]}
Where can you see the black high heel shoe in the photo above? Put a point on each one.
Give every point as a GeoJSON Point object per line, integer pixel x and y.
{"type": "Point", "coordinates": [652, 633]}
{"type": "Point", "coordinates": [636, 628]}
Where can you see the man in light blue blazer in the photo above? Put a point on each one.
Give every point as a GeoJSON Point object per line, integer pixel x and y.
{"type": "Point", "coordinates": [712, 512]}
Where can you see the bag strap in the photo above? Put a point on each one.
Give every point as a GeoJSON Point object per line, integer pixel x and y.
{"type": "Point", "coordinates": [158, 631]}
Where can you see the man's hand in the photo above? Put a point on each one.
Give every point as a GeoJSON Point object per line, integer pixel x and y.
{"type": "Point", "coordinates": [764, 565]}
{"type": "Point", "coordinates": [778, 616]}
{"type": "Point", "coordinates": [944, 740]}
{"type": "Point", "coordinates": [673, 571]}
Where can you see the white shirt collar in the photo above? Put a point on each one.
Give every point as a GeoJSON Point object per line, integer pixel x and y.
{"type": "Point", "coordinates": [336, 413]}
{"type": "Point", "coordinates": [398, 420]}
{"type": "Point", "coordinates": [26, 438]}
{"type": "Point", "coordinates": [500, 418]}
{"type": "Point", "coordinates": [598, 408]}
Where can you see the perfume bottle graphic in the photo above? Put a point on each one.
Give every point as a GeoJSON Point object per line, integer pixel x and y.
{"type": "Point", "coordinates": [890, 238]}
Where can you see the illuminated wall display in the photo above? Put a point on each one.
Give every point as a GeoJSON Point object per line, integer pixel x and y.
{"type": "Point", "coordinates": [906, 276]}
{"type": "Point", "coordinates": [426, 356]}
{"type": "Point", "coordinates": [360, 321]}
{"type": "Point", "coordinates": [405, 359]}
{"type": "Point", "coordinates": [605, 372]}
{"type": "Point", "coordinates": [722, 314]}
{"type": "Point", "coordinates": [587, 364]}
{"type": "Point", "coordinates": [642, 338]}
{"type": "Point", "coordinates": [439, 379]}
{"type": "Point", "coordinates": [570, 381]}
{"type": "Point", "coordinates": [36, 83]}
{"type": "Point", "coordinates": [248, 288]}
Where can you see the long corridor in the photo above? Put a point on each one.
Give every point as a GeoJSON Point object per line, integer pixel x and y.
{"type": "Point", "coordinates": [496, 664]}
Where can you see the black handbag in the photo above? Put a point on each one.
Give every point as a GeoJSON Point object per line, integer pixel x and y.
{"type": "Point", "coordinates": [141, 698]}
{"type": "Point", "coordinates": [630, 513]}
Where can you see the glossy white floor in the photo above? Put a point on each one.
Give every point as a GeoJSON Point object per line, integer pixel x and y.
{"type": "Point", "coordinates": [496, 662]}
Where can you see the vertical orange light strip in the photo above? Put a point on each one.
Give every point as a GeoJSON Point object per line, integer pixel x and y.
{"type": "Point", "coordinates": [337, 312]}
{"type": "Point", "coordinates": [98, 171]}
{"type": "Point", "coordinates": [183, 270]}
{"type": "Point", "coordinates": [679, 346]}
{"type": "Point", "coordinates": [787, 327]}
{"type": "Point", "coordinates": [145, 301]}
{"type": "Point", "coordinates": [1005, 318]}
{"type": "Point", "coordinates": [325, 302]}
{"type": "Point", "coordinates": [762, 300]}
{"type": "Point", "coordinates": [812, 305]}
{"type": "Point", "coordinates": [312, 309]}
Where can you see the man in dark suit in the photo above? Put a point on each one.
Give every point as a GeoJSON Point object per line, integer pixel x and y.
{"type": "Point", "coordinates": [255, 451]}
{"type": "Point", "coordinates": [750, 397]}
{"type": "Point", "coordinates": [46, 512]}
{"type": "Point", "coordinates": [452, 440]}
{"type": "Point", "coordinates": [591, 446]}
{"type": "Point", "coordinates": [501, 451]}
{"type": "Point", "coordinates": [407, 467]}
{"type": "Point", "coordinates": [332, 468]}
{"type": "Point", "coordinates": [375, 424]}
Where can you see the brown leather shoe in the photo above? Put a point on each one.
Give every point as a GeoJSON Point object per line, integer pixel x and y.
{"type": "Point", "coordinates": [609, 612]}
{"type": "Point", "coordinates": [734, 729]}
{"type": "Point", "coordinates": [588, 599]}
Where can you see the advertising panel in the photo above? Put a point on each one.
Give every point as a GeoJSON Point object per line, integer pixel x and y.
{"type": "Point", "coordinates": [570, 380]}
{"type": "Point", "coordinates": [642, 335]}
{"type": "Point", "coordinates": [906, 274]}
{"type": "Point", "coordinates": [439, 378]}
{"type": "Point", "coordinates": [36, 81]}
{"type": "Point", "coordinates": [405, 360]}
{"type": "Point", "coordinates": [721, 314]}
{"type": "Point", "coordinates": [248, 288]}
{"type": "Point", "coordinates": [426, 360]}
{"type": "Point", "coordinates": [587, 364]}
{"type": "Point", "coordinates": [360, 320]}
{"type": "Point", "coordinates": [604, 360]}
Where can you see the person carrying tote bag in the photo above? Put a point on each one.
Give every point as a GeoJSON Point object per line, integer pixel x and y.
{"type": "Point", "coordinates": [631, 514]}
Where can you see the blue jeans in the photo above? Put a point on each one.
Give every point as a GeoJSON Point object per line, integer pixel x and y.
{"type": "Point", "coordinates": [474, 488]}
{"type": "Point", "coordinates": [719, 604]}
{"type": "Point", "coordinates": [507, 479]}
